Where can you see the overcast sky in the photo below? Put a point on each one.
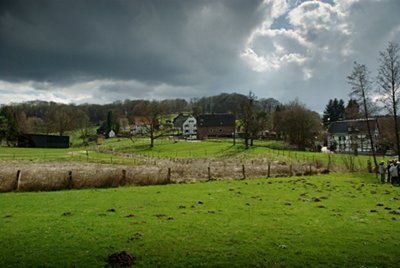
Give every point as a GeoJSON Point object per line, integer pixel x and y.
{"type": "Point", "coordinates": [99, 51]}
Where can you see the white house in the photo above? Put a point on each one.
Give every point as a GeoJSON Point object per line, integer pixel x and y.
{"type": "Point", "coordinates": [190, 127]}
{"type": "Point", "coordinates": [111, 134]}
{"type": "Point", "coordinates": [352, 135]}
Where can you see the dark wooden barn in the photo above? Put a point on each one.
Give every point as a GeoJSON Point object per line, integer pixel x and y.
{"type": "Point", "coordinates": [215, 126]}
{"type": "Point", "coordinates": [43, 141]}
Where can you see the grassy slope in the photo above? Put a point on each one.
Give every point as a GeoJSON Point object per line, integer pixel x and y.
{"type": "Point", "coordinates": [273, 223]}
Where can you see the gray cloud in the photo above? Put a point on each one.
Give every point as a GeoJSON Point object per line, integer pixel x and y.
{"type": "Point", "coordinates": [141, 40]}
{"type": "Point", "coordinates": [101, 51]}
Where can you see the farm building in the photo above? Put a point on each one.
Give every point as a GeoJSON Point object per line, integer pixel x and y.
{"type": "Point", "coordinates": [350, 136]}
{"type": "Point", "coordinates": [142, 124]}
{"type": "Point", "coordinates": [215, 125]}
{"type": "Point", "coordinates": [178, 121]}
{"type": "Point", "coordinates": [43, 141]}
{"type": "Point", "coordinates": [189, 127]}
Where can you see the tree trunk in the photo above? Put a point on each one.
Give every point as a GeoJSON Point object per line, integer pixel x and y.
{"type": "Point", "coordinates": [151, 136]}
{"type": "Point", "coordinates": [371, 139]}
{"type": "Point", "coordinates": [396, 125]}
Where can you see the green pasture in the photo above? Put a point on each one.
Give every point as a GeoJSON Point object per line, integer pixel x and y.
{"type": "Point", "coordinates": [196, 148]}
{"type": "Point", "coordinates": [165, 148]}
{"type": "Point", "coordinates": [273, 150]}
{"type": "Point", "coordinates": [70, 154]}
{"type": "Point", "coordinates": [336, 220]}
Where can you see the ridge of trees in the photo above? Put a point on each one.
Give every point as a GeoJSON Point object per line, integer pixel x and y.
{"type": "Point", "coordinates": [254, 116]}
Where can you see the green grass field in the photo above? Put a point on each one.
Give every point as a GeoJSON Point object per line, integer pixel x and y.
{"type": "Point", "coordinates": [83, 154]}
{"type": "Point", "coordinates": [336, 220]}
{"type": "Point", "coordinates": [273, 150]}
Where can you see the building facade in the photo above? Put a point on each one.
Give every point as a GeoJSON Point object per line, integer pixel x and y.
{"type": "Point", "coordinates": [189, 127]}
{"type": "Point", "coordinates": [351, 136]}
{"type": "Point", "coordinates": [215, 126]}
{"type": "Point", "coordinates": [43, 141]}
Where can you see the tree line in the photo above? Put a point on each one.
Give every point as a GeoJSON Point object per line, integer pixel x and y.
{"type": "Point", "coordinates": [253, 115]}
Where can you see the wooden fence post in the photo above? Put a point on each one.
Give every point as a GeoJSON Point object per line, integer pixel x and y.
{"type": "Point", "coordinates": [123, 178]}
{"type": "Point", "coordinates": [243, 172]}
{"type": "Point", "coordinates": [69, 180]}
{"type": "Point", "coordinates": [209, 172]}
{"type": "Point", "coordinates": [19, 173]}
{"type": "Point", "coordinates": [269, 170]}
{"type": "Point", "coordinates": [291, 170]}
{"type": "Point", "coordinates": [169, 175]}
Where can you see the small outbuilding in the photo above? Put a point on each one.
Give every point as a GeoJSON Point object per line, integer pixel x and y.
{"type": "Point", "coordinates": [43, 141]}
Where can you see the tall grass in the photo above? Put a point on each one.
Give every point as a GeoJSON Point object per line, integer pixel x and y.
{"type": "Point", "coordinates": [23, 176]}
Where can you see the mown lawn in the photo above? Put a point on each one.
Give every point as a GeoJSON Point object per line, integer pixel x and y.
{"type": "Point", "coordinates": [336, 220]}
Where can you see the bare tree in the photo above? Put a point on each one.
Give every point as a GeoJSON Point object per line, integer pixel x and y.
{"type": "Point", "coordinates": [152, 113]}
{"type": "Point", "coordinates": [389, 84]}
{"type": "Point", "coordinates": [253, 119]}
{"type": "Point", "coordinates": [361, 90]}
{"type": "Point", "coordinates": [60, 119]}
{"type": "Point", "coordinates": [247, 108]}
{"type": "Point", "coordinates": [82, 123]}
{"type": "Point", "coordinates": [297, 125]}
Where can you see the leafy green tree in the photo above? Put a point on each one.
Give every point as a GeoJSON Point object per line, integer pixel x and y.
{"type": "Point", "coordinates": [334, 111]}
{"type": "Point", "coordinates": [112, 122]}
{"type": "Point", "coordinates": [352, 110]}
{"type": "Point", "coordinates": [9, 126]}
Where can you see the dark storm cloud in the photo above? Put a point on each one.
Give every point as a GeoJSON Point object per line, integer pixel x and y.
{"type": "Point", "coordinates": [177, 42]}
{"type": "Point", "coordinates": [99, 51]}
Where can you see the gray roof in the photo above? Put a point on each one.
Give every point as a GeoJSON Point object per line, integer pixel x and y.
{"type": "Point", "coordinates": [179, 120]}
{"type": "Point", "coordinates": [352, 126]}
{"type": "Point", "coordinates": [215, 120]}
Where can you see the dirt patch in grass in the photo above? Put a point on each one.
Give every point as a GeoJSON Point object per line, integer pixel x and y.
{"type": "Point", "coordinates": [121, 259]}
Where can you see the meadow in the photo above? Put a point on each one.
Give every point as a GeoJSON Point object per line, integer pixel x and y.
{"type": "Point", "coordinates": [75, 154]}
{"type": "Point", "coordinates": [112, 151]}
{"type": "Point", "coordinates": [120, 161]}
{"type": "Point", "coordinates": [271, 149]}
{"type": "Point", "coordinates": [332, 220]}
{"type": "Point", "coordinates": [335, 220]}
